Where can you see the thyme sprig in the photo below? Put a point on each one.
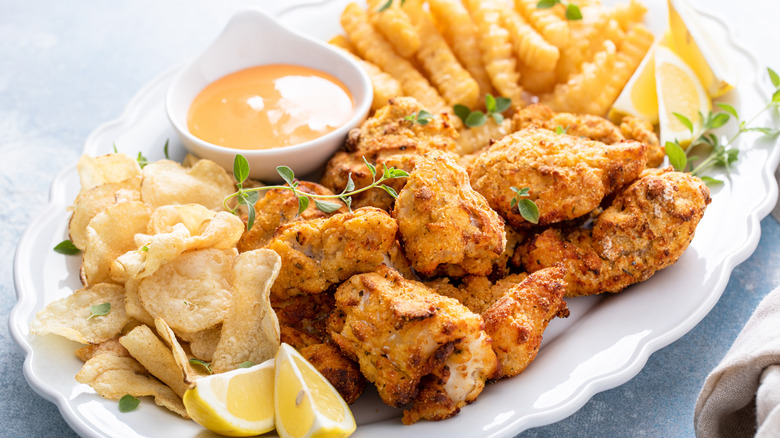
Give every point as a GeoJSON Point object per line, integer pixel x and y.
{"type": "Point", "coordinates": [249, 196]}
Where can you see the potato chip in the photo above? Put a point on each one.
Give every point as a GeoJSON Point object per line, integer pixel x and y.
{"type": "Point", "coordinates": [250, 331]}
{"type": "Point", "coordinates": [114, 377]}
{"type": "Point", "coordinates": [155, 356]}
{"type": "Point", "coordinates": [167, 182]}
{"type": "Point", "coordinates": [91, 202]}
{"type": "Point", "coordinates": [110, 234]}
{"type": "Point", "coordinates": [203, 343]}
{"type": "Point", "coordinates": [72, 318]}
{"type": "Point", "coordinates": [111, 346]}
{"type": "Point", "coordinates": [133, 306]}
{"type": "Point", "coordinates": [192, 292]}
{"type": "Point", "coordinates": [111, 168]}
{"type": "Point", "coordinates": [179, 355]}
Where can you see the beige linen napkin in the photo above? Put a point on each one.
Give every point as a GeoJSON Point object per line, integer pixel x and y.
{"type": "Point", "coordinates": [741, 396]}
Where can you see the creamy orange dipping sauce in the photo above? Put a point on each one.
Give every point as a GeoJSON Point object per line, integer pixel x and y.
{"type": "Point", "coordinates": [270, 106]}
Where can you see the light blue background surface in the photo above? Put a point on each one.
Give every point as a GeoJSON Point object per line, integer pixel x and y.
{"type": "Point", "coordinates": [67, 67]}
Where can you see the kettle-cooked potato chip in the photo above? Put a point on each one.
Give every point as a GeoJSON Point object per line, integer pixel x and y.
{"type": "Point", "coordinates": [72, 318]}
{"type": "Point", "coordinates": [133, 306]}
{"type": "Point", "coordinates": [155, 356]}
{"type": "Point", "coordinates": [111, 168]}
{"type": "Point", "coordinates": [91, 202]}
{"type": "Point", "coordinates": [250, 331]}
{"type": "Point", "coordinates": [192, 292]}
{"type": "Point", "coordinates": [203, 343]}
{"type": "Point", "coordinates": [179, 355]}
{"type": "Point", "coordinates": [167, 182]}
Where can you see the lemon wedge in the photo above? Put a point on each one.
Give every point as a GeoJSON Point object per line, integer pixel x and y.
{"type": "Point", "coordinates": [639, 97]}
{"type": "Point", "coordinates": [307, 405]}
{"type": "Point", "coordinates": [699, 49]}
{"type": "Point", "coordinates": [235, 403]}
{"type": "Point", "coordinates": [679, 91]}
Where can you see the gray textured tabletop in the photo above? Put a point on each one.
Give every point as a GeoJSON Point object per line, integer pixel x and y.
{"type": "Point", "coordinates": [67, 67]}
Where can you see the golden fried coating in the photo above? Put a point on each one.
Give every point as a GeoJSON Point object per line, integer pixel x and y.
{"type": "Point", "coordinates": [387, 139]}
{"type": "Point", "coordinates": [634, 128]}
{"type": "Point", "coordinates": [305, 313]}
{"type": "Point", "coordinates": [568, 176]}
{"type": "Point", "coordinates": [648, 227]}
{"type": "Point", "coordinates": [579, 125]}
{"type": "Point", "coordinates": [445, 226]}
{"type": "Point", "coordinates": [477, 293]}
{"type": "Point", "coordinates": [319, 253]}
{"type": "Point", "coordinates": [278, 207]}
{"type": "Point", "coordinates": [400, 331]}
{"type": "Point", "coordinates": [516, 321]}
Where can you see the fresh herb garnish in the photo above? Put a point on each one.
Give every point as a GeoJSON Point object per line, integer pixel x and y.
{"type": "Point", "coordinates": [527, 208]}
{"type": "Point", "coordinates": [494, 106]}
{"type": "Point", "coordinates": [144, 248]}
{"type": "Point", "coordinates": [165, 149]}
{"type": "Point", "coordinates": [128, 403]}
{"type": "Point", "coordinates": [246, 364]}
{"type": "Point", "coordinates": [561, 130]}
{"type": "Point", "coordinates": [421, 118]}
{"type": "Point", "coordinates": [99, 310]}
{"type": "Point", "coordinates": [573, 12]}
{"type": "Point", "coordinates": [205, 365]}
{"type": "Point", "coordinates": [721, 150]}
{"type": "Point", "coordinates": [249, 197]}
{"type": "Point", "coordinates": [388, 4]}
{"type": "Point", "coordinates": [66, 247]}
{"type": "Point", "coordinates": [142, 161]}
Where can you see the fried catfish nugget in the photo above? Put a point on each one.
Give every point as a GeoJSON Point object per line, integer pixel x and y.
{"type": "Point", "coordinates": [391, 139]}
{"type": "Point", "coordinates": [446, 226]}
{"type": "Point", "coordinates": [647, 228]}
{"type": "Point", "coordinates": [516, 321]}
{"type": "Point", "coordinates": [319, 253]}
{"type": "Point", "coordinates": [278, 207]}
{"type": "Point", "coordinates": [415, 345]}
{"type": "Point", "coordinates": [568, 176]}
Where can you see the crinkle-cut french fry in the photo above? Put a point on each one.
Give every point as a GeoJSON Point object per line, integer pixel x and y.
{"type": "Point", "coordinates": [476, 138]}
{"type": "Point", "coordinates": [628, 14]}
{"type": "Point", "coordinates": [385, 86]}
{"type": "Point", "coordinates": [396, 27]}
{"type": "Point", "coordinates": [530, 47]}
{"type": "Point", "coordinates": [587, 39]}
{"type": "Point", "coordinates": [553, 27]}
{"type": "Point", "coordinates": [497, 55]}
{"type": "Point", "coordinates": [453, 82]}
{"type": "Point", "coordinates": [461, 34]}
{"type": "Point", "coordinates": [537, 82]}
{"type": "Point", "coordinates": [374, 48]}
{"type": "Point", "coordinates": [636, 43]}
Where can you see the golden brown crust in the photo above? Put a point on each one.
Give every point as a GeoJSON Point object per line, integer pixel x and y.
{"type": "Point", "coordinates": [634, 128]}
{"type": "Point", "coordinates": [579, 125]}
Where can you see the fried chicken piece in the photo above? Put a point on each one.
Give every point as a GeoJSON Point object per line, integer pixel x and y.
{"type": "Point", "coordinates": [477, 293]}
{"type": "Point", "coordinates": [648, 227]}
{"type": "Point", "coordinates": [445, 226]}
{"type": "Point", "coordinates": [342, 372]}
{"type": "Point", "coordinates": [306, 313]}
{"type": "Point", "coordinates": [401, 331]}
{"type": "Point", "coordinates": [634, 128]}
{"type": "Point", "coordinates": [278, 207]}
{"type": "Point", "coordinates": [387, 139]}
{"type": "Point", "coordinates": [568, 176]}
{"type": "Point", "coordinates": [516, 321]}
{"type": "Point", "coordinates": [579, 125]}
{"type": "Point", "coordinates": [319, 253]}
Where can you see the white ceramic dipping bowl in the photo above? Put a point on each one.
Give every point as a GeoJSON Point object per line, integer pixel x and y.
{"type": "Point", "coordinates": [253, 38]}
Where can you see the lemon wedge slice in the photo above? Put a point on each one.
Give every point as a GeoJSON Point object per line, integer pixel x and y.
{"type": "Point", "coordinates": [699, 49]}
{"type": "Point", "coordinates": [639, 97]}
{"type": "Point", "coordinates": [235, 403]}
{"type": "Point", "coordinates": [307, 405]}
{"type": "Point", "coordinates": [679, 91]}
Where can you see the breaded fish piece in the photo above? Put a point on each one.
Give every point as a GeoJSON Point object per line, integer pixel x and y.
{"type": "Point", "coordinates": [516, 321]}
{"type": "Point", "coordinates": [568, 176]}
{"type": "Point", "coordinates": [278, 207]}
{"type": "Point", "coordinates": [387, 139]}
{"type": "Point", "coordinates": [319, 253]}
{"type": "Point", "coordinates": [306, 313]}
{"type": "Point", "coordinates": [647, 228]}
{"type": "Point", "coordinates": [401, 331]}
{"type": "Point", "coordinates": [634, 128]}
{"type": "Point", "coordinates": [477, 293]}
{"type": "Point", "coordinates": [579, 125]}
{"type": "Point", "coordinates": [445, 226]}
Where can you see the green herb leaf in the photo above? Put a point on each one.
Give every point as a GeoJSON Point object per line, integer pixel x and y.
{"type": "Point", "coordinates": [240, 168]}
{"type": "Point", "coordinates": [765, 131]}
{"type": "Point", "coordinates": [476, 118]}
{"type": "Point", "coordinates": [676, 156]}
{"type": "Point", "coordinates": [385, 6]}
{"type": "Point", "coordinates": [490, 103]}
{"type": "Point", "coordinates": [115, 149]}
{"type": "Point", "coordinates": [390, 191]}
{"type": "Point", "coordinates": [247, 364]}
{"type": "Point", "coordinates": [142, 161]}
{"type": "Point", "coordinates": [573, 12]}
{"type": "Point", "coordinates": [773, 77]}
{"type": "Point", "coordinates": [729, 109]}
{"type": "Point", "coordinates": [250, 215]}
{"type": "Point", "coordinates": [502, 104]}
{"type": "Point", "coordinates": [421, 118]}
{"type": "Point", "coordinates": [547, 4]}
{"type": "Point", "coordinates": [66, 247]}
{"type": "Point", "coordinates": [350, 184]}
{"type": "Point", "coordinates": [165, 150]}
{"type": "Point", "coordinates": [685, 121]}
{"type": "Point", "coordinates": [498, 117]}
{"type": "Point", "coordinates": [303, 203]}
{"type": "Point", "coordinates": [776, 97]}
{"type": "Point", "coordinates": [326, 206]}
{"type": "Point", "coordinates": [128, 403]}
{"type": "Point", "coordinates": [560, 130]}
{"type": "Point", "coordinates": [462, 111]}
{"type": "Point", "coordinates": [287, 174]}
{"type": "Point", "coordinates": [99, 310]}
{"type": "Point", "coordinates": [145, 248]}
{"type": "Point", "coordinates": [371, 168]}
{"type": "Point", "coordinates": [528, 210]}
{"type": "Point", "coordinates": [205, 365]}
{"type": "Point", "coordinates": [711, 181]}
{"type": "Point", "coordinates": [396, 173]}
{"type": "Point", "coordinates": [719, 120]}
